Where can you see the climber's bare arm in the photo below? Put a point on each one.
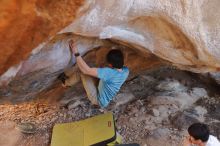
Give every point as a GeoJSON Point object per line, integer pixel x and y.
{"type": "Point", "coordinates": [85, 69]}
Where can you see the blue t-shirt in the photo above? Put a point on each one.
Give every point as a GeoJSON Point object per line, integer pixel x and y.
{"type": "Point", "coordinates": [110, 82]}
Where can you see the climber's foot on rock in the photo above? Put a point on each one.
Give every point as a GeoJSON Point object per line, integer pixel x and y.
{"type": "Point", "coordinates": [62, 77]}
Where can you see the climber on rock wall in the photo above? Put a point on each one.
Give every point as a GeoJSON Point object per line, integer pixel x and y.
{"type": "Point", "coordinates": [199, 135]}
{"type": "Point", "coordinates": [110, 78]}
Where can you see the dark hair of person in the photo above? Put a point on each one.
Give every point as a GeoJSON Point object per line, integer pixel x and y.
{"type": "Point", "coordinates": [199, 131]}
{"type": "Point", "coordinates": [115, 58]}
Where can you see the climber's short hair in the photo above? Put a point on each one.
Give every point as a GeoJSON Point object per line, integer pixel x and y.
{"type": "Point", "coordinates": [199, 131]}
{"type": "Point", "coordinates": [115, 58]}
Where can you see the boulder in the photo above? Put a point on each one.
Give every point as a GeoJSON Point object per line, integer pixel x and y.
{"type": "Point", "coordinates": [123, 98]}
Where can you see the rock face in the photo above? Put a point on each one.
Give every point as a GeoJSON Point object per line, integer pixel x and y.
{"type": "Point", "coordinates": [185, 33]}
{"type": "Point", "coordinates": [40, 71]}
{"type": "Point", "coordinates": [35, 34]}
{"type": "Point", "coordinates": [26, 24]}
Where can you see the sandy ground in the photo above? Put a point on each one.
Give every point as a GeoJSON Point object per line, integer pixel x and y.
{"type": "Point", "coordinates": [153, 108]}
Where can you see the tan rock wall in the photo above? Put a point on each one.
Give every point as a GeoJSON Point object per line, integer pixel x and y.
{"type": "Point", "coordinates": [184, 33]}
{"type": "Point", "coordinates": [27, 23]}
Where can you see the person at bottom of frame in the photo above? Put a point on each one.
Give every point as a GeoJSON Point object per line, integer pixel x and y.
{"type": "Point", "coordinates": [199, 136]}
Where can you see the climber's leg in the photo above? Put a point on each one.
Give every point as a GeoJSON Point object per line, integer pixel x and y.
{"type": "Point", "coordinates": [90, 86]}
{"type": "Point", "coordinates": [73, 76]}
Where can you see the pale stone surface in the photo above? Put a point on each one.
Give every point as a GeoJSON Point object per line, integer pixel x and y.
{"type": "Point", "coordinates": [124, 98]}
{"type": "Point", "coordinates": [171, 86]}
{"type": "Point", "coordinates": [74, 105]}
{"type": "Point", "coordinates": [185, 33]}
{"type": "Point", "coordinates": [155, 112]}
{"type": "Point", "coordinates": [174, 93]}
{"type": "Point", "coordinates": [52, 56]}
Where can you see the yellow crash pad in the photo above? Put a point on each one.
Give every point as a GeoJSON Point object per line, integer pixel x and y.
{"type": "Point", "coordinates": [98, 130]}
